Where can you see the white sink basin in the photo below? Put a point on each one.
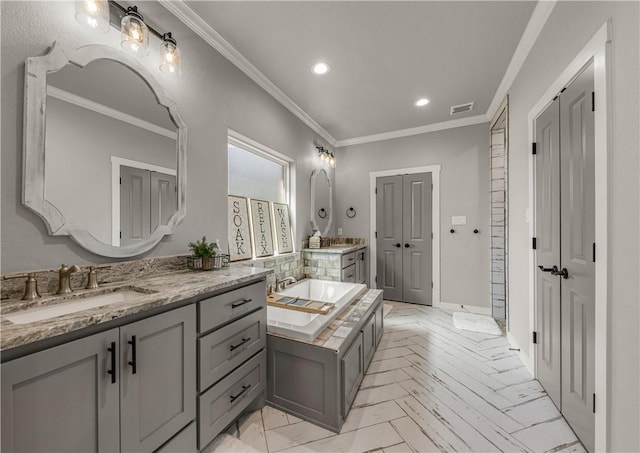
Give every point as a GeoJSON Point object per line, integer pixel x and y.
{"type": "Point", "coordinates": [72, 306]}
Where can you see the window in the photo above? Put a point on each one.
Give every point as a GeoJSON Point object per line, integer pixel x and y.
{"type": "Point", "coordinates": [257, 172]}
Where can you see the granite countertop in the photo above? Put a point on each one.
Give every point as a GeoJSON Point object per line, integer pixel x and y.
{"type": "Point", "coordinates": [338, 249]}
{"type": "Point", "coordinates": [154, 291]}
{"type": "Point", "coordinates": [338, 331]}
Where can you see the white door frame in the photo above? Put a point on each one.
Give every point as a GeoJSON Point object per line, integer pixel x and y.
{"type": "Point", "coordinates": [598, 50]}
{"type": "Point", "coordinates": [435, 222]}
{"type": "Point", "coordinates": [116, 162]}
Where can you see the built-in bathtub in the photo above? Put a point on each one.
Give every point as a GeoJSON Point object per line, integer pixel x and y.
{"type": "Point", "coordinates": [308, 326]}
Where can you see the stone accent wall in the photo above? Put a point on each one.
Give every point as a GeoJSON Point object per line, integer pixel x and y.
{"type": "Point", "coordinates": [499, 178]}
{"type": "Point", "coordinates": [289, 265]}
{"type": "Point", "coordinates": [322, 265]}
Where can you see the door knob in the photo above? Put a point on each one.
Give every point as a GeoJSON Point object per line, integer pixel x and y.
{"type": "Point", "coordinates": [553, 269]}
{"type": "Point", "coordinates": [407, 245]}
{"type": "Point", "coordinates": [564, 273]}
{"type": "Point", "coordinates": [398, 245]}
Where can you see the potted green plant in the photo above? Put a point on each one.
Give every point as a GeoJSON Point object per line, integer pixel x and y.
{"type": "Point", "coordinates": [204, 250]}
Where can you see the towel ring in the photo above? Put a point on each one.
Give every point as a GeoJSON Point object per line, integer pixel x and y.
{"type": "Point", "coordinates": [351, 213]}
{"type": "Point", "coordinates": [322, 213]}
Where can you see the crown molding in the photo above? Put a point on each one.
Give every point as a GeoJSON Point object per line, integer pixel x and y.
{"type": "Point", "coordinates": [536, 23]}
{"type": "Point", "coordinates": [192, 20]}
{"type": "Point", "coordinates": [468, 121]}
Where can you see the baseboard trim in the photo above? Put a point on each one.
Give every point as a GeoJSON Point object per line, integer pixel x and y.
{"type": "Point", "coordinates": [528, 363]}
{"type": "Point", "coordinates": [463, 307]}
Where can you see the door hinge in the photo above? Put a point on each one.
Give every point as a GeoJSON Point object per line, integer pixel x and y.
{"type": "Point", "coordinates": [431, 235]}
{"type": "Point", "coordinates": [593, 101]}
{"type": "Point", "coordinates": [375, 191]}
{"type": "Point", "coordinates": [533, 148]}
{"type": "Point", "coordinates": [533, 243]}
{"type": "Point", "coordinates": [535, 337]}
{"type": "Point", "coordinates": [120, 181]}
{"type": "Point", "coordinates": [594, 403]}
{"type": "Point", "coordinates": [594, 252]}
{"type": "Point", "coordinates": [376, 233]}
{"type": "Point", "coordinates": [431, 186]}
{"type": "Point", "coordinates": [431, 285]}
{"type": "Point", "coordinates": [121, 235]}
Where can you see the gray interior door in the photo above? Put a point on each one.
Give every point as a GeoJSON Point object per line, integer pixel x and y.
{"type": "Point", "coordinates": [577, 252]}
{"type": "Point", "coordinates": [135, 193]}
{"type": "Point", "coordinates": [404, 243]}
{"type": "Point", "coordinates": [547, 133]}
{"type": "Point", "coordinates": [164, 198]}
{"type": "Point", "coordinates": [389, 236]}
{"type": "Point", "coordinates": [416, 263]}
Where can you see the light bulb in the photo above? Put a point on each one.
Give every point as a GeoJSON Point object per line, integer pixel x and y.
{"type": "Point", "coordinates": [134, 32]}
{"type": "Point", "coordinates": [170, 58]}
{"type": "Point", "coordinates": [94, 14]}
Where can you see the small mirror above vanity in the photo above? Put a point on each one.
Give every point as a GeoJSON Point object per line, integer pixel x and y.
{"type": "Point", "coordinates": [104, 150]}
{"type": "Point", "coordinates": [321, 202]}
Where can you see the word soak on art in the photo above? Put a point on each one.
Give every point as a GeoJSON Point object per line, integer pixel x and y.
{"type": "Point", "coordinates": [240, 246]}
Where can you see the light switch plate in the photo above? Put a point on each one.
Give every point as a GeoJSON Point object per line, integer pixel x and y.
{"type": "Point", "coordinates": [459, 220]}
{"type": "Point", "coordinates": [339, 231]}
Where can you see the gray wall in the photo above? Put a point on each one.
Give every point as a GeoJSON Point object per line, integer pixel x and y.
{"type": "Point", "coordinates": [464, 190]}
{"type": "Point", "coordinates": [567, 31]}
{"type": "Point", "coordinates": [212, 94]}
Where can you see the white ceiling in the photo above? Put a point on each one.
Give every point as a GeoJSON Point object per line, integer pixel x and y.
{"type": "Point", "coordinates": [383, 56]}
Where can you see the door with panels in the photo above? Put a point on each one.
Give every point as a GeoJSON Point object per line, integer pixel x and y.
{"type": "Point", "coordinates": [404, 237]}
{"type": "Point", "coordinates": [565, 251]}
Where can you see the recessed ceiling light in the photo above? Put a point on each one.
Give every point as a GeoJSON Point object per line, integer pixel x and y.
{"type": "Point", "coordinates": [422, 102]}
{"type": "Point", "coordinates": [320, 68]}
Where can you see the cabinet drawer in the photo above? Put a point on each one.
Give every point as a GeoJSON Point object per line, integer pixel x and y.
{"type": "Point", "coordinates": [224, 349]}
{"type": "Point", "coordinates": [226, 307]}
{"type": "Point", "coordinates": [223, 402]}
{"type": "Point", "coordinates": [369, 339]}
{"type": "Point", "coordinates": [349, 274]}
{"type": "Point", "coordinates": [348, 259]}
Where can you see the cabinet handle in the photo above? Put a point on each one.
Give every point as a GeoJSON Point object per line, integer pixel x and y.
{"type": "Point", "coordinates": [133, 363]}
{"type": "Point", "coordinates": [235, 397]}
{"type": "Point", "coordinates": [114, 360]}
{"type": "Point", "coordinates": [236, 346]}
{"type": "Point", "coordinates": [244, 301]}
{"type": "Point", "coordinates": [350, 275]}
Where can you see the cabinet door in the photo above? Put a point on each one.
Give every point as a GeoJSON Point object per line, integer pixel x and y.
{"type": "Point", "coordinates": [158, 387]}
{"type": "Point", "coordinates": [379, 322]}
{"type": "Point", "coordinates": [361, 266]}
{"type": "Point", "coordinates": [349, 274]}
{"type": "Point", "coordinates": [352, 369]}
{"type": "Point", "coordinates": [369, 339]}
{"type": "Point", "coordinates": [62, 399]}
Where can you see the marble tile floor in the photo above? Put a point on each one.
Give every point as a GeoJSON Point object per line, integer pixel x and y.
{"type": "Point", "coordinates": [429, 388]}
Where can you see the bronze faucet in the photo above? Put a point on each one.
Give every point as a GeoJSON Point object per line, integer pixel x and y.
{"type": "Point", "coordinates": [30, 287]}
{"type": "Point", "coordinates": [64, 284]}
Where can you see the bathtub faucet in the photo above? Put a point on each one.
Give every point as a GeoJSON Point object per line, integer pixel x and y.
{"type": "Point", "coordinates": [282, 284]}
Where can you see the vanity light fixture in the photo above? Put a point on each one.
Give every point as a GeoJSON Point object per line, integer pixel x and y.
{"type": "Point", "coordinates": [326, 156]}
{"type": "Point", "coordinates": [422, 102]}
{"type": "Point", "coordinates": [320, 68]}
{"type": "Point", "coordinates": [93, 14]}
{"type": "Point", "coordinates": [170, 58]}
{"type": "Point", "coordinates": [135, 33]}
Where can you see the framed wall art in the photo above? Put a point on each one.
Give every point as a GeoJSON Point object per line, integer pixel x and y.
{"type": "Point", "coordinates": [262, 230]}
{"type": "Point", "coordinates": [282, 227]}
{"type": "Point", "coordinates": [240, 241]}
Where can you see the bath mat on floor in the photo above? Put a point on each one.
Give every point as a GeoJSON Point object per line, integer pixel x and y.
{"type": "Point", "coordinates": [386, 309]}
{"type": "Point", "coordinates": [475, 323]}
{"type": "Point", "coordinates": [225, 443]}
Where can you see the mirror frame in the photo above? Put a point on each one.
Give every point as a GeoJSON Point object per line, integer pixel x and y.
{"type": "Point", "coordinates": [33, 159]}
{"type": "Point", "coordinates": [314, 175]}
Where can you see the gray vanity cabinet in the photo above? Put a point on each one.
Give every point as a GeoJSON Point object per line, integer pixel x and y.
{"type": "Point", "coordinates": [96, 394]}
{"type": "Point", "coordinates": [62, 399]}
{"type": "Point", "coordinates": [158, 377]}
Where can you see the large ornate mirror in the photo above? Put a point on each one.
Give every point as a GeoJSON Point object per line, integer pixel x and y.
{"type": "Point", "coordinates": [321, 201]}
{"type": "Point", "coordinates": [104, 150]}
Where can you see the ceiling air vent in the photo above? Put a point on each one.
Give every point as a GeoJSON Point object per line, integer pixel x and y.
{"type": "Point", "coordinates": [461, 108]}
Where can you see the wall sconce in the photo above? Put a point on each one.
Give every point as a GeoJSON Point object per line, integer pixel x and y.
{"type": "Point", "coordinates": [94, 14]}
{"type": "Point", "coordinates": [133, 29]}
{"type": "Point", "coordinates": [326, 156]}
{"type": "Point", "coordinates": [135, 33]}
